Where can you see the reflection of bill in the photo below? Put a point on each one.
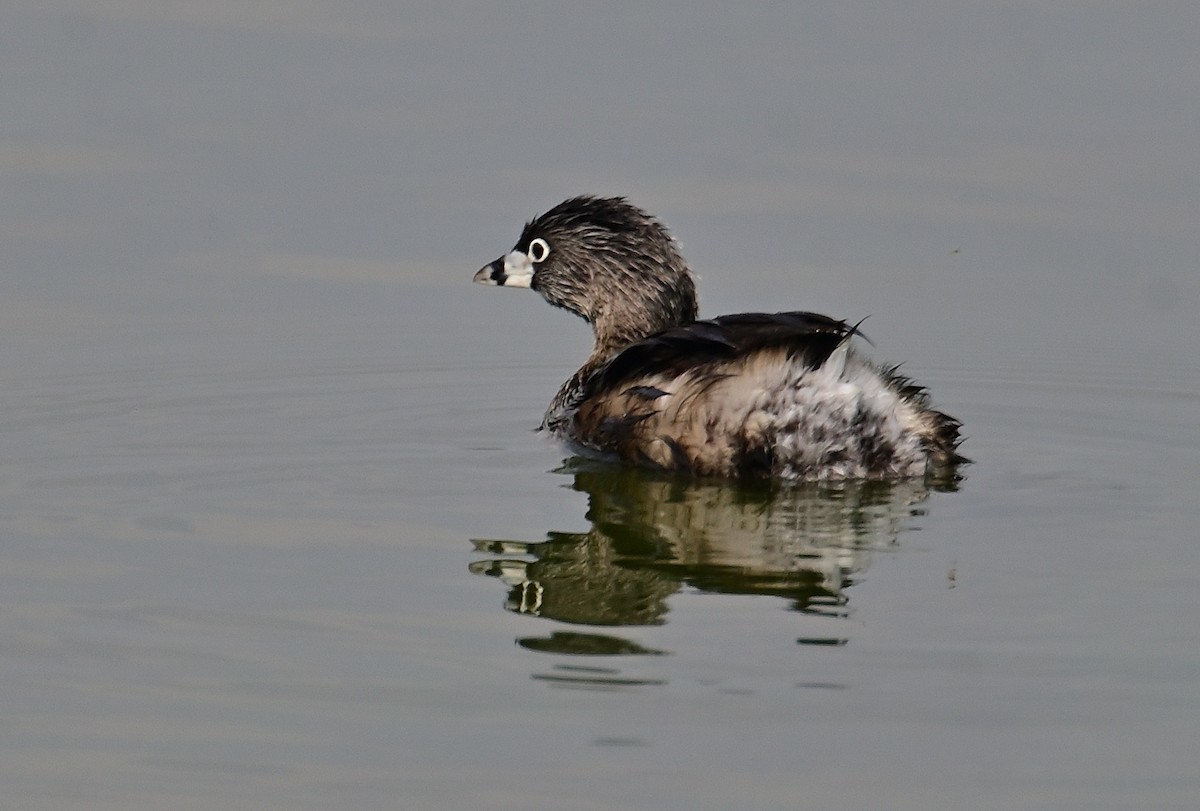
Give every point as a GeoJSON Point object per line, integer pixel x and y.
{"type": "Point", "coordinates": [651, 534]}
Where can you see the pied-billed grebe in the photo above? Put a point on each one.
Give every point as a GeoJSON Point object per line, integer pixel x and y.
{"type": "Point", "coordinates": [754, 394]}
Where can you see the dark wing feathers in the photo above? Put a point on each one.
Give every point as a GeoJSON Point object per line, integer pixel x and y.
{"type": "Point", "coordinates": [646, 392]}
{"type": "Point", "coordinates": [672, 351]}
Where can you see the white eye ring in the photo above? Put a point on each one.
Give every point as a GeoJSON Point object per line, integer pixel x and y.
{"type": "Point", "coordinates": [538, 250]}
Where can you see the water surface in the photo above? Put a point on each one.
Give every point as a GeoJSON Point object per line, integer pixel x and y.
{"type": "Point", "coordinates": [275, 531]}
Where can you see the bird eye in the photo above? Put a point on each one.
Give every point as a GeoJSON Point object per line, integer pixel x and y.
{"type": "Point", "coordinates": [538, 250]}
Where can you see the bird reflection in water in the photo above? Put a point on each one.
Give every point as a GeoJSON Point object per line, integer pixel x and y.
{"type": "Point", "coordinates": [651, 534]}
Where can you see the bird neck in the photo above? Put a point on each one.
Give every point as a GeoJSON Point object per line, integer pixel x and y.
{"type": "Point", "coordinates": [620, 321]}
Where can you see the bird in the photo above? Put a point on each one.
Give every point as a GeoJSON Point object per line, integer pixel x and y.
{"type": "Point", "coordinates": [751, 395]}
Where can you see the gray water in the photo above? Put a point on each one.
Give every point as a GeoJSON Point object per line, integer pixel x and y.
{"type": "Point", "coordinates": [275, 531]}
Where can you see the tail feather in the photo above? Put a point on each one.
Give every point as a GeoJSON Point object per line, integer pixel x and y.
{"type": "Point", "coordinates": [943, 439]}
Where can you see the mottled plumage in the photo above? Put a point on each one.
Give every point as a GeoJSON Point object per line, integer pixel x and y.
{"type": "Point", "coordinates": [752, 394]}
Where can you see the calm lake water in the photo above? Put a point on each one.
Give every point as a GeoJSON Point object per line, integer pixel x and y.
{"type": "Point", "coordinates": [275, 531]}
